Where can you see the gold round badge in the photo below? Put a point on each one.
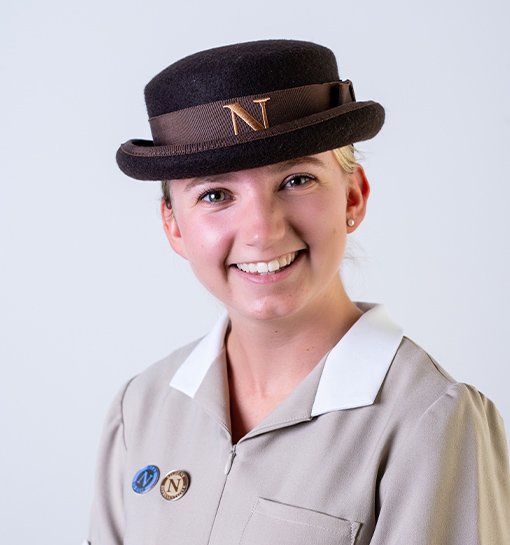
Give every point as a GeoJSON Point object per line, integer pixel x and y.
{"type": "Point", "coordinates": [174, 485]}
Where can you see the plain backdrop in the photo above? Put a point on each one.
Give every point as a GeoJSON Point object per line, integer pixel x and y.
{"type": "Point", "coordinates": [90, 292]}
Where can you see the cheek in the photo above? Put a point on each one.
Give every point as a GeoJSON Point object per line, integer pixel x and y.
{"type": "Point", "coordinates": [326, 219]}
{"type": "Point", "coordinates": [329, 233]}
{"type": "Point", "coordinates": [206, 242]}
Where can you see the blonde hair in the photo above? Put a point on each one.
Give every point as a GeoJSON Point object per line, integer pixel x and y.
{"type": "Point", "coordinates": [346, 158]}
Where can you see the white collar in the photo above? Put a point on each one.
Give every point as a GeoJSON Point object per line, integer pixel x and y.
{"type": "Point", "coordinates": [353, 372]}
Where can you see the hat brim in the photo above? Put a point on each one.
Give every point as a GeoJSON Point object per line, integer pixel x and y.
{"type": "Point", "coordinates": [336, 127]}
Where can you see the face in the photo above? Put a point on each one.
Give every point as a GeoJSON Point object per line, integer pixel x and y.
{"type": "Point", "coordinates": [268, 241]}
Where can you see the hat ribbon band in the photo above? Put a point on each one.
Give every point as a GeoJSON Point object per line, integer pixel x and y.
{"type": "Point", "coordinates": [244, 115]}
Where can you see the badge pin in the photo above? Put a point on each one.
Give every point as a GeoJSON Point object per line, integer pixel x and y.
{"type": "Point", "coordinates": [145, 479]}
{"type": "Point", "coordinates": [174, 485]}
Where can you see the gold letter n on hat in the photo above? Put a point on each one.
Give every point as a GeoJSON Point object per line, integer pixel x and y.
{"type": "Point", "coordinates": [236, 110]}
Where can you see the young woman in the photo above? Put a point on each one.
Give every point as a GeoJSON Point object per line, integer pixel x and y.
{"type": "Point", "coordinates": [302, 417]}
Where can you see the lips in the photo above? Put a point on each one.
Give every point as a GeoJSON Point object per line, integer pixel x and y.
{"type": "Point", "coordinates": [268, 267]}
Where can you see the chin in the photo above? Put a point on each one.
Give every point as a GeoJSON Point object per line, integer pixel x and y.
{"type": "Point", "coordinates": [268, 310]}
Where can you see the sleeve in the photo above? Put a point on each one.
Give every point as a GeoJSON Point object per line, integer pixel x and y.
{"type": "Point", "coordinates": [107, 513]}
{"type": "Point", "coordinates": [449, 483]}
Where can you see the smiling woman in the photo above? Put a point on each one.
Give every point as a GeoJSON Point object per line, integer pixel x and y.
{"type": "Point", "coordinates": [302, 417]}
{"type": "Point", "coordinates": [227, 223]}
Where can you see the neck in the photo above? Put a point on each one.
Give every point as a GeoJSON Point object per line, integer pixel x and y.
{"type": "Point", "coordinates": [270, 356]}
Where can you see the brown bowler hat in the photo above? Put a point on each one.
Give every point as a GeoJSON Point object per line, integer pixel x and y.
{"type": "Point", "coordinates": [246, 105]}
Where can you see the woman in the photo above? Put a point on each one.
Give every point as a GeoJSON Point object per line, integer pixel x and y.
{"type": "Point", "coordinates": [302, 417]}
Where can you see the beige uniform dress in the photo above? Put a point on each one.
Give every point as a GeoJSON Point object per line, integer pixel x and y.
{"type": "Point", "coordinates": [377, 445]}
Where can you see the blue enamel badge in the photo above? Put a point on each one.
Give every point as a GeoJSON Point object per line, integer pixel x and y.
{"type": "Point", "coordinates": [145, 479]}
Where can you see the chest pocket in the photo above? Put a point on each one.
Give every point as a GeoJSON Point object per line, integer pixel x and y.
{"type": "Point", "coordinates": [273, 523]}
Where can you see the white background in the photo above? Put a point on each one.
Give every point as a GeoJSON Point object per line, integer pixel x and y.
{"type": "Point", "coordinates": [90, 292]}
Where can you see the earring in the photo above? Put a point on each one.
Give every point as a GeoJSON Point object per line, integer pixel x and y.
{"type": "Point", "coordinates": [350, 222]}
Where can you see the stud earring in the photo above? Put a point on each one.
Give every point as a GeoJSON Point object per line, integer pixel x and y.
{"type": "Point", "coordinates": [350, 222]}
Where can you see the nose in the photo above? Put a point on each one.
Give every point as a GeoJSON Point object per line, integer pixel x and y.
{"type": "Point", "coordinates": [263, 222]}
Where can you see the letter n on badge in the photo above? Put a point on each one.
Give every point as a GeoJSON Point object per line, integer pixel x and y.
{"type": "Point", "coordinates": [174, 485]}
{"type": "Point", "coordinates": [145, 479]}
{"type": "Point", "coordinates": [236, 110]}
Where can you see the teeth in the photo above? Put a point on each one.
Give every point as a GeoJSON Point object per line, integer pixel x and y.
{"type": "Point", "coordinates": [268, 267]}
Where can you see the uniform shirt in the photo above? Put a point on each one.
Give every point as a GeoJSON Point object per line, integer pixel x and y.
{"type": "Point", "coordinates": [377, 445]}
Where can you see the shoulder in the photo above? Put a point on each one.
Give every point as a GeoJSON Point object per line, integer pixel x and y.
{"type": "Point", "coordinates": [445, 456]}
{"type": "Point", "coordinates": [164, 369]}
{"type": "Point", "coordinates": [152, 384]}
{"type": "Point", "coordinates": [415, 374]}
{"type": "Point", "coordinates": [419, 390]}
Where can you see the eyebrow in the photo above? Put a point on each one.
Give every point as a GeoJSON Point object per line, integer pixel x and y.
{"type": "Point", "coordinates": [310, 159]}
{"type": "Point", "coordinates": [204, 181]}
{"type": "Point", "coordinates": [278, 167]}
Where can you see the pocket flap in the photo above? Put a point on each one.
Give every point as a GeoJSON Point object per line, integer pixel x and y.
{"type": "Point", "coordinates": [277, 523]}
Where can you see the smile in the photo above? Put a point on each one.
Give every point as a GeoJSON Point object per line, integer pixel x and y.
{"type": "Point", "coordinates": [263, 267]}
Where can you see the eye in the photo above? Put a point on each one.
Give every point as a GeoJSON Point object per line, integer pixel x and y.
{"type": "Point", "coordinates": [212, 196]}
{"type": "Point", "coordinates": [297, 180]}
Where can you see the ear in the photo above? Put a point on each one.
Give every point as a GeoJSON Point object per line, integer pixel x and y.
{"type": "Point", "coordinates": [357, 197]}
{"type": "Point", "coordinates": [172, 230]}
